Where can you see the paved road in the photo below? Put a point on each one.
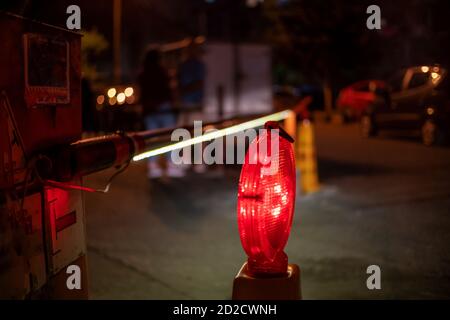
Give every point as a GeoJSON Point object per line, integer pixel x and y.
{"type": "Point", "coordinates": [384, 201]}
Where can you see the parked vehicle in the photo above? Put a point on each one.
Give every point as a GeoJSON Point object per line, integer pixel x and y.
{"type": "Point", "coordinates": [417, 101]}
{"type": "Point", "coordinates": [354, 99]}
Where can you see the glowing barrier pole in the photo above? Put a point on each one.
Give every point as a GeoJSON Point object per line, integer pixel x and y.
{"type": "Point", "coordinates": [96, 154]}
{"type": "Point", "coordinates": [214, 135]}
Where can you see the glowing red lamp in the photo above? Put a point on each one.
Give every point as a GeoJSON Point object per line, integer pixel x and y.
{"type": "Point", "coordinates": [266, 200]}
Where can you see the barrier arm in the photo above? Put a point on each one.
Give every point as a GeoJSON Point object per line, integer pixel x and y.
{"type": "Point", "coordinates": [88, 156]}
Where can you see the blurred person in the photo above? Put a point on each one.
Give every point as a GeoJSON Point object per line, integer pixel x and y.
{"type": "Point", "coordinates": [191, 78]}
{"type": "Point", "coordinates": [156, 100]}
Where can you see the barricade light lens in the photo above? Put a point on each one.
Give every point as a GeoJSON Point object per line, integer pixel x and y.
{"type": "Point", "coordinates": [266, 204]}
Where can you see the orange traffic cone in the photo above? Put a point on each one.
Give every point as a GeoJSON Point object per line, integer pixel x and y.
{"type": "Point", "coordinates": [306, 158]}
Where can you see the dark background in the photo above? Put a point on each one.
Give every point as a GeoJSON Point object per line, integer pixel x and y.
{"type": "Point", "coordinates": [312, 41]}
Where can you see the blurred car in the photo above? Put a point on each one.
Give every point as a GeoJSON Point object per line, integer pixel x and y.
{"type": "Point", "coordinates": [354, 99]}
{"type": "Point", "coordinates": [416, 100]}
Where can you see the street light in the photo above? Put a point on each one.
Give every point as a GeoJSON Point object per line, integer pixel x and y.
{"type": "Point", "coordinates": [129, 91]}
{"type": "Point", "coordinates": [111, 92]}
{"type": "Point", "coordinates": [117, 26]}
{"type": "Point", "coordinates": [121, 98]}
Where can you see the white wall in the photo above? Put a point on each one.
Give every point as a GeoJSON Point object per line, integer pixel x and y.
{"type": "Point", "coordinates": [256, 87]}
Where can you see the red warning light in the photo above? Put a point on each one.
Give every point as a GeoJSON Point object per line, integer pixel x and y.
{"type": "Point", "coordinates": [266, 200]}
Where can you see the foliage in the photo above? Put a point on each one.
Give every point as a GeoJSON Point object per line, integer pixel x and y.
{"type": "Point", "coordinates": [93, 45]}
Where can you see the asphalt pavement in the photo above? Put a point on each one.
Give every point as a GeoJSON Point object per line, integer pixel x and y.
{"type": "Point", "coordinates": [383, 201]}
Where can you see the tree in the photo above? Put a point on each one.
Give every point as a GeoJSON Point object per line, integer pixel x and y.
{"type": "Point", "coordinates": [93, 44]}
{"type": "Point", "coordinates": [319, 39]}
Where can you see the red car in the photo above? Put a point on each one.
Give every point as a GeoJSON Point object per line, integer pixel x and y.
{"type": "Point", "coordinates": [354, 99]}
